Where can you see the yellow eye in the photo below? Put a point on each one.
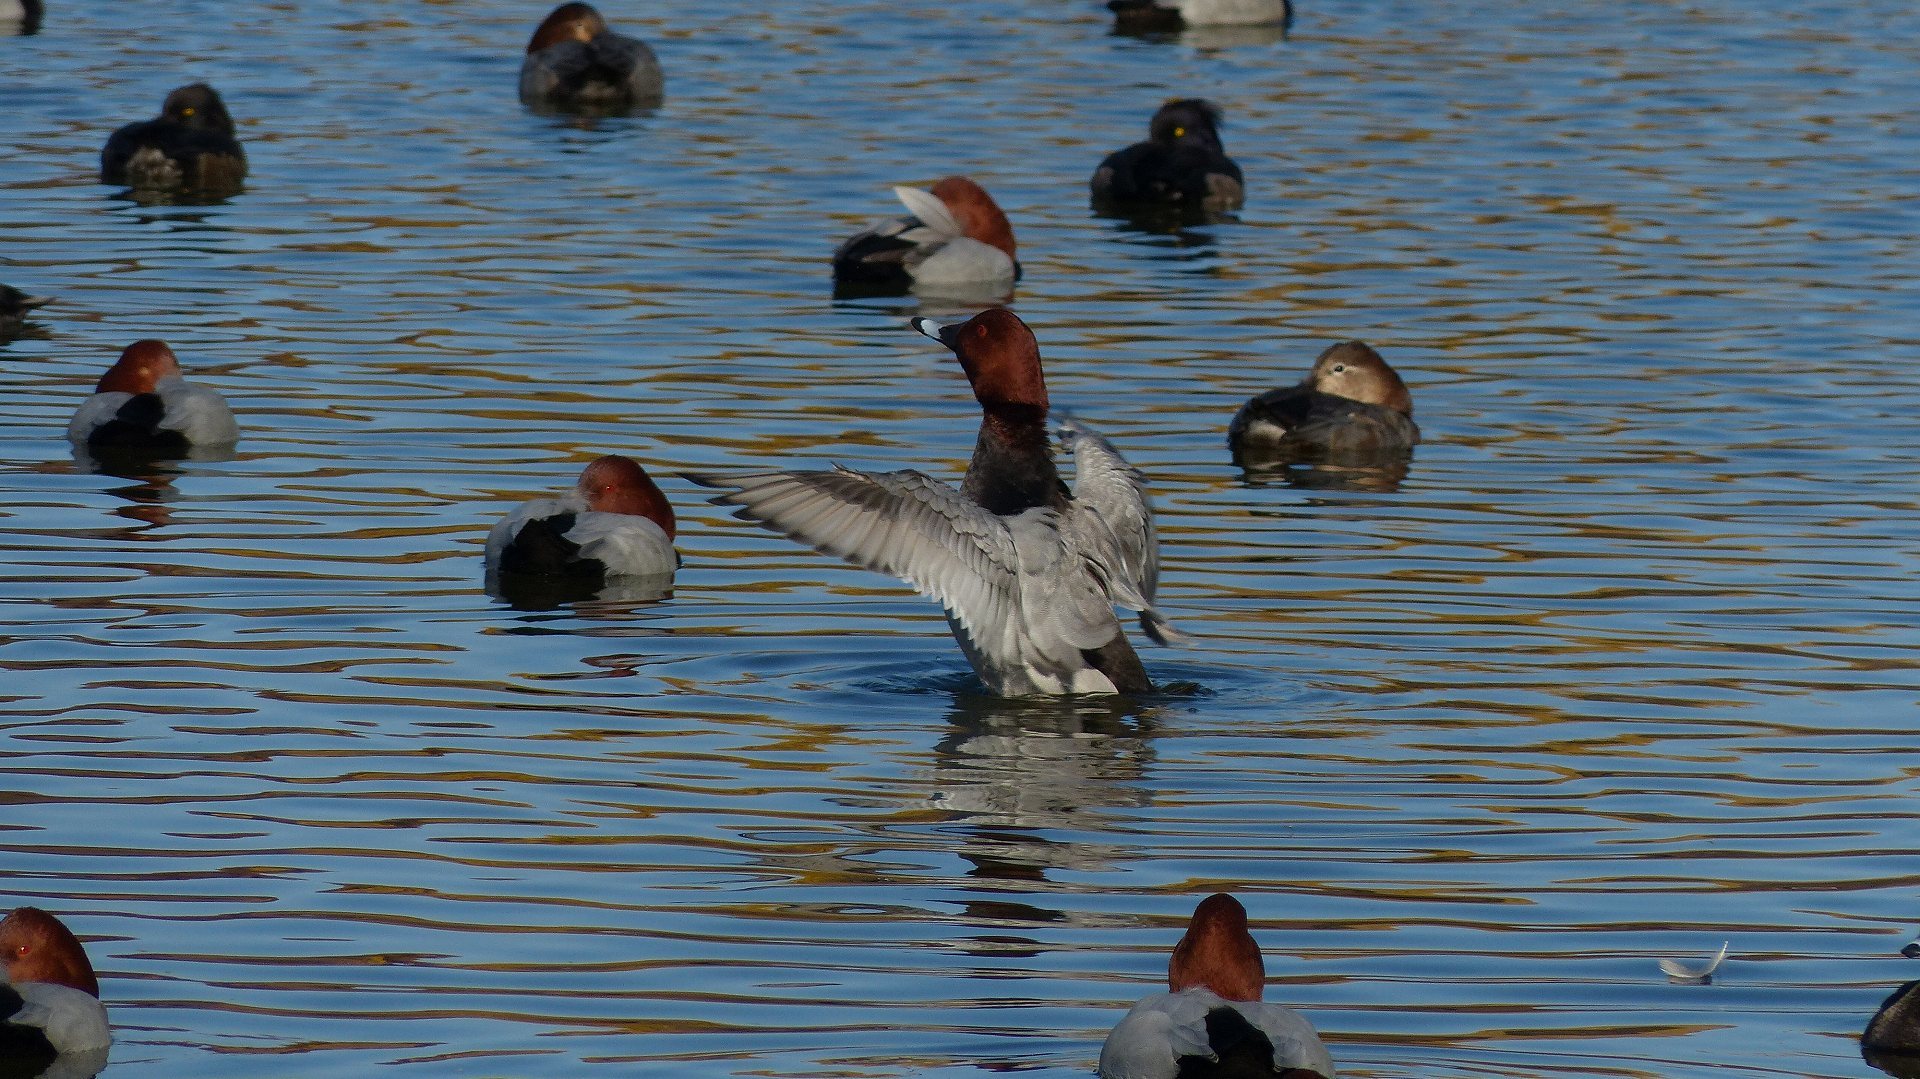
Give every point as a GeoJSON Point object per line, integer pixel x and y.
{"type": "Point", "coordinates": [1179, 131]}
{"type": "Point", "coordinates": [187, 111]}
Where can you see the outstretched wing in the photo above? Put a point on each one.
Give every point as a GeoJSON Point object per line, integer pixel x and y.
{"type": "Point", "coordinates": [1016, 590]}
{"type": "Point", "coordinates": [1111, 522]}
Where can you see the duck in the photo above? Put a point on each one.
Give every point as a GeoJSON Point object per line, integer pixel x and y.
{"type": "Point", "coordinates": [15, 307]}
{"type": "Point", "coordinates": [144, 405]}
{"type": "Point", "coordinates": [574, 62]}
{"type": "Point", "coordinates": [1154, 16]}
{"type": "Point", "coordinates": [1028, 570]}
{"type": "Point", "coordinates": [1893, 1034]}
{"type": "Point", "coordinates": [1211, 1023]}
{"type": "Point", "coordinates": [50, 1005]}
{"type": "Point", "coordinates": [954, 238]}
{"type": "Point", "coordinates": [613, 523]}
{"type": "Point", "coordinates": [190, 146]}
{"type": "Point", "coordinates": [1352, 403]}
{"type": "Point", "coordinates": [21, 17]}
{"type": "Point", "coordinates": [1182, 164]}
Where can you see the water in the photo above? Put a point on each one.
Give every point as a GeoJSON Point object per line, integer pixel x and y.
{"type": "Point", "coordinates": [1623, 668]}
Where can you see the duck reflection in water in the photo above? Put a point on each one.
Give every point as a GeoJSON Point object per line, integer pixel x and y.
{"type": "Point", "coordinates": [1026, 778]}
{"type": "Point", "coordinates": [148, 493]}
{"type": "Point", "coordinates": [1169, 234]}
{"type": "Point", "coordinates": [1383, 473]}
{"type": "Point", "coordinates": [524, 592]}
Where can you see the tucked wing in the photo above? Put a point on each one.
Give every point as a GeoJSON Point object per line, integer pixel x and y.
{"type": "Point", "coordinates": [197, 412]}
{"type": "Point", "coordinates": [93, 413]}
{"type": "Point", "coordinates": [628, 545]}
{"type": "Point", "coordinates": [892, 252]}
{"type": "Point", "coordinates": [927, 207]}
{"type": "Point", "coordinates": [1297, 419]}
{"type": "Point", "coordinates": [1156, 1034]}
{"type": "Point", "coordinates": [1020, 597]}
{"type": "Point", "coordinates": [1111, 521]}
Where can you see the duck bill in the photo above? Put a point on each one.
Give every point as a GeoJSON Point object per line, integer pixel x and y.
{"type": "Point", "coordinates": [947, 333]}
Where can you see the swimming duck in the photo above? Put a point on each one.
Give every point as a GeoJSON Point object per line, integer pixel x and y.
{"type": "Point", "coordinates": [575, 62]}
{"type": "Point", "coordinates": [1181, 164]}
{"type": "Point", "coordinates": [1136, 16]}
{"type": "Point", "coordinates": [1211, 1024]}
{"type": "Point", "coordinates": [15, 307]}
{"type": "Point", "coordinates": [613, 523]}
{"type": "Point", "coordinates": [20, 16]}
{"type": "Point", "coordinates": [189, 146]}
{"type": "Point", "coordinates": [1350, 403]}
{"type": "Point", "coordinates": [1891, 1041]}
{"type": "Point", "coordinates": [1028, 571]}
{"type": "Point", "coordinates": [955, 238]}
{"type": "Point", "coordinates": [143, 405]}
{"type": "Point", "coordinates": [50, 1005]}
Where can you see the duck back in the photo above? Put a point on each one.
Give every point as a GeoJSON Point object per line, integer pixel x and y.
{"type": "Point", "coordinates": [1303, 420]}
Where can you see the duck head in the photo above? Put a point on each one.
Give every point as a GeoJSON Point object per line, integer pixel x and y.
{"type": "Point", "coordinates": [35, 947]}
{"type": "Point", "coordinates": [1000, 357]}
{"type": "Point", "coordinates": [1188, 121]}
{"type": "Point", "coordinates": [616, 484]}
{"type": "Point", "coordinates": [199, 107]}
{"type": "Point", "coordinates": [1218, 953]}
{"type": "Point", "coordinates": [978, 216]}
{"type": "Point", "coordinates": [140, 368]}
{"type": "Point", "coordinates": [1355, 371]}
{"type": "Point", "coordinates": [568, 22]}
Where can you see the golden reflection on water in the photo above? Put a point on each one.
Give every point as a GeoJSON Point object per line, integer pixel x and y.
{"type": "Point", "coordinates": [1618, 663]}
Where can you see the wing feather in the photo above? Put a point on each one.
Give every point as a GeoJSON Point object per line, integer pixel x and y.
{"type": "Point", "coordinates": [932, 213]}
{"type": "Point", "coordinates": [1021, 598]}
{"type": "Point", "coordinates": [1111, 520]}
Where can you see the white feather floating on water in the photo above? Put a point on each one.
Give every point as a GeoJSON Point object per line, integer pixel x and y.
{"type": "Point", "coordinates": [1690, 975]}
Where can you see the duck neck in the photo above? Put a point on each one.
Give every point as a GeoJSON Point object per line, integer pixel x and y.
{"type": "Point", "coordinates": [1012, 468]}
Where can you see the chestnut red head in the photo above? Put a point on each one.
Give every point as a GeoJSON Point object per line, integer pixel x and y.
{"type": "Point", "coordinates": [35, 947]}
{"type": "Point", "coordinates": [139, 369]}
{"type": "Point", "coordinates": [615, 484]}
{"type": "Point", "coordinates": [1218, 952]}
